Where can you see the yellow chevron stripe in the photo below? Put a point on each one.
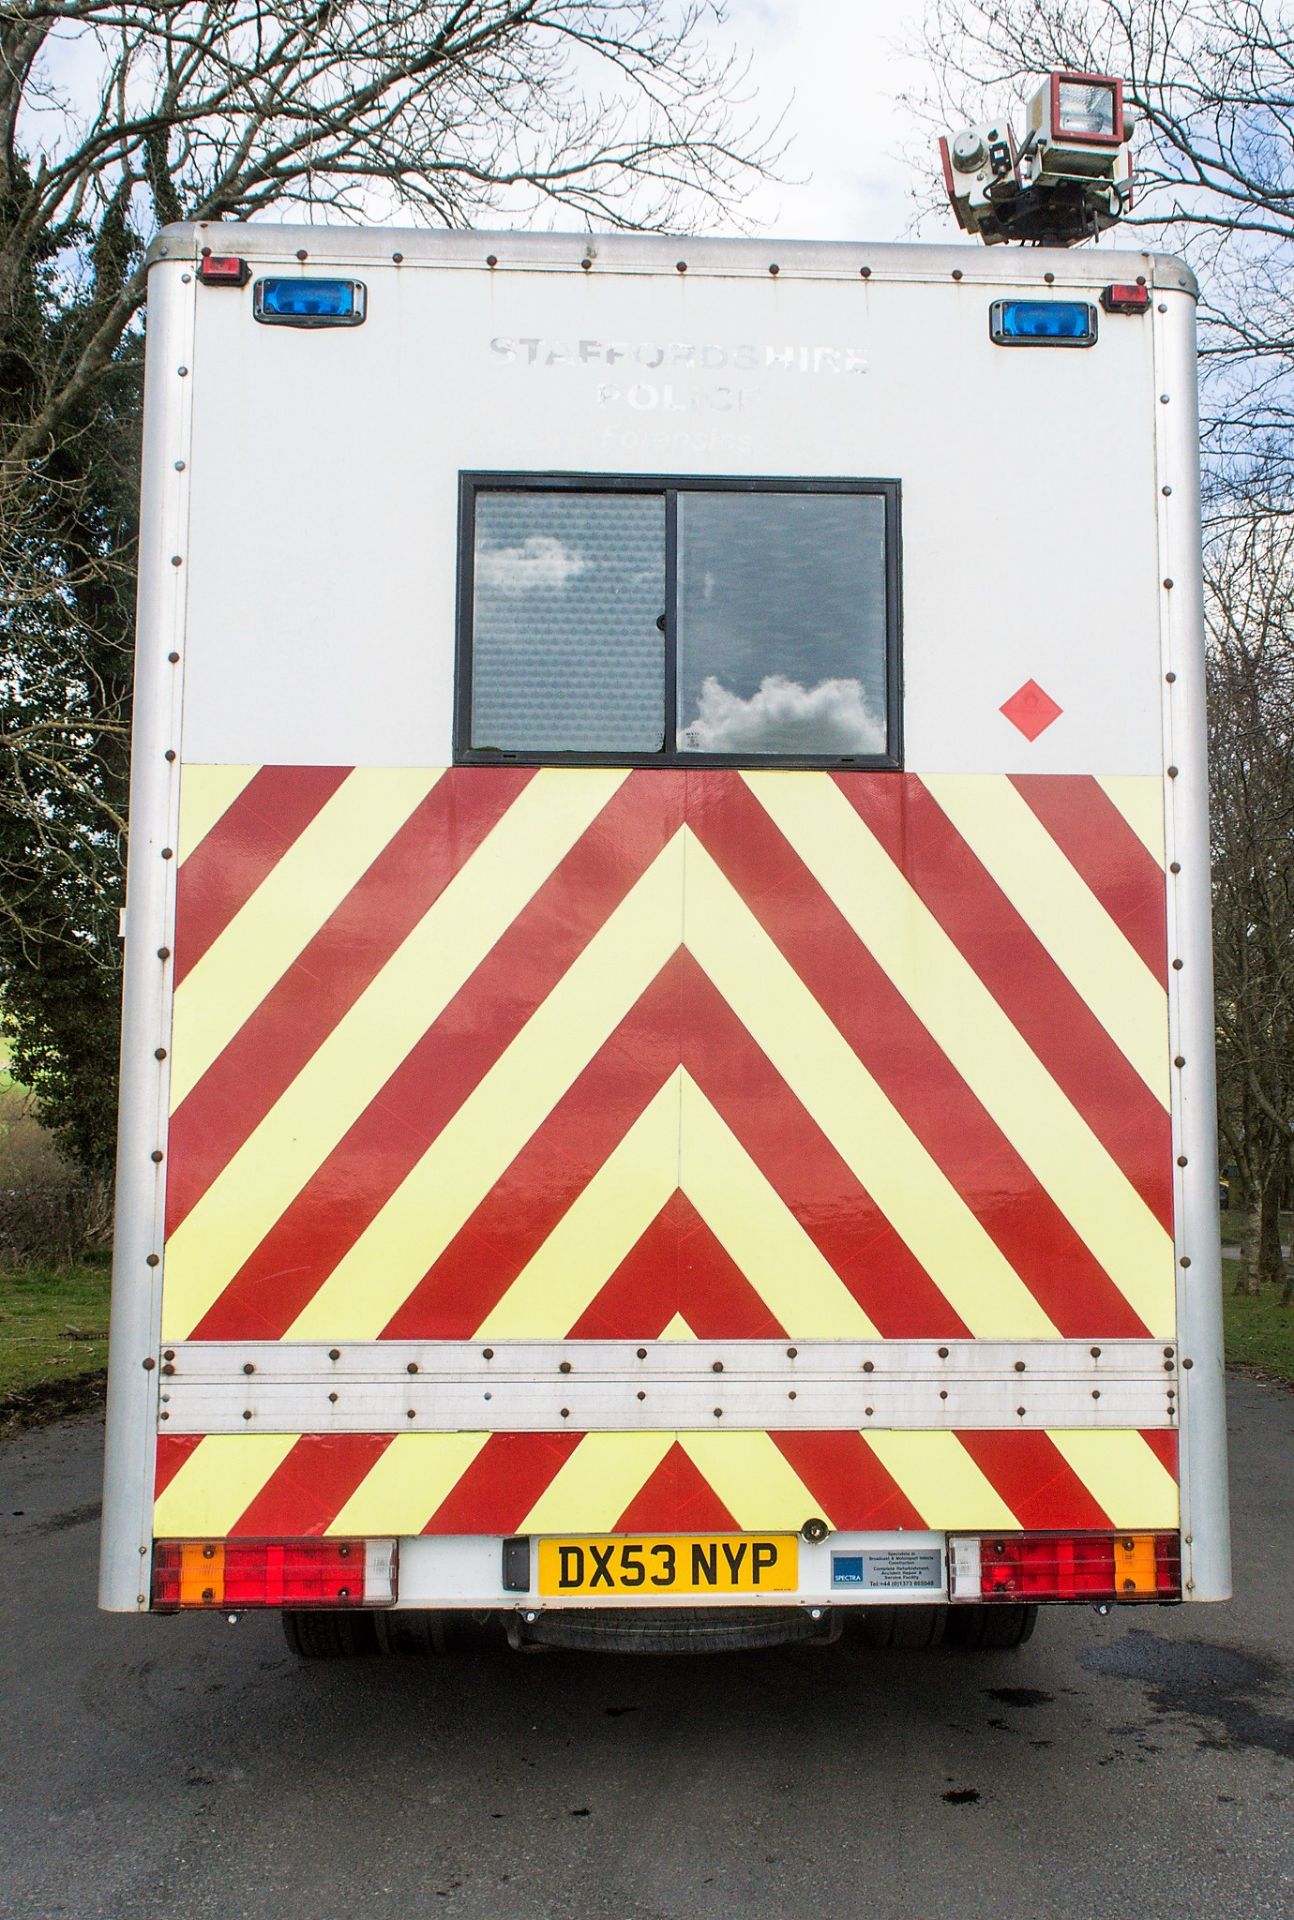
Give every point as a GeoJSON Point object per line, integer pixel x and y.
{"type": "Point", "coordinates": [743, 1211]}
{"type": "Point", "coordinates": [753, 1478]}
{"type": "Point", "coordinates": [1123, 1474]}
{"type": "Point", "coordinates": [597, 1230]}
{"type": "Point", "coordinates": [502, 1111]}
{"type": "Point", "coordinates": [406, 1484]}
{"type": "Point", "coordinates": [205, 794]}
{"type": "Point", "coordinates": [218, 1482]}
{"type": "Point", "coordinates": [678, 1329]}
{"type": "Point", "coordinates": [1140, 799]}
{"type": "Point", "coordinates": [970, 1027]}
{"type": "Point", "coordinates": [592, 1489]}
{"type": "Point", "coordinates": [941, 1480]}
{"type": "Point", "coordinates": [1050, 895]}
{"type": "Point", "coordinates": [747, 1471]}
{"type": "Point", "coordinates": [756, 1228]}
{"type": "Point", "coordinates": [365, 1048]}
{"type": "Point", "coordinates": [872, 1138]}
{"type": "Point", "coordinates": [299, 894]}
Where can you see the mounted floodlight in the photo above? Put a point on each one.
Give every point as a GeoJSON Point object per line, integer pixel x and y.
{"type": "Point", "coordinates": [1086, 107]}
{"type": "Point", "coordinates": [1068, 180]}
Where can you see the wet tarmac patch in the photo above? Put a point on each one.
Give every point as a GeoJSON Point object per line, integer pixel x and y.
{"type": "Point", "coordinates": [70, 1517]}
{"type": "Point", "coordinates": [1020, 1696]}
{"type": "Point", "coordinates": [1202, 1682]}
{"type": "Point", "coordinates": [962, 1796]}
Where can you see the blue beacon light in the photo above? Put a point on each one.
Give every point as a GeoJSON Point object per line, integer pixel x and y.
{"type": "Point", "coordinates": [309, 302]}
{"type": "Point", "coordinates": [1042, 323]}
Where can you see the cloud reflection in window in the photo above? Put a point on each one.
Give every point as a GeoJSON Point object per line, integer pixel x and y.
{"type": "Point", "coordinates": [784, 717]}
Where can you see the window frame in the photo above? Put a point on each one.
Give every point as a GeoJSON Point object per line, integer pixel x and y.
{"type": "Point", "coordinates": [472, 484]}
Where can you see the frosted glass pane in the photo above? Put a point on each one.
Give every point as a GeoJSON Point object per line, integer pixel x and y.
{"type": "Point", "coordinates": [566, 653]}
{"type": "Point", "coordinates": [781, 623]}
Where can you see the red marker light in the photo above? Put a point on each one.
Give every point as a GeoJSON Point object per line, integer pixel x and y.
{"type": "Point", "coordinates": [1126, 298]}
{"type": "Point", "coordinates": [1078, 1566]}
{"type": "Point", "coordinates": [273, 1573]}
{"type": "Point", "coordinates": [223, 270]}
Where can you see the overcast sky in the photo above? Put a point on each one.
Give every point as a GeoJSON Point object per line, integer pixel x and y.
{"type": "Point", "coordinates": [843, 61]}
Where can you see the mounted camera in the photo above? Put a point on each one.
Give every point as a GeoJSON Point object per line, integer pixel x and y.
{"type": "Point", "coordinates": [1069, 178]}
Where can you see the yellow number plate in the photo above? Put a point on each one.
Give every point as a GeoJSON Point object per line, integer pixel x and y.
{"type": "Point", "coordinates": [677, 1563]}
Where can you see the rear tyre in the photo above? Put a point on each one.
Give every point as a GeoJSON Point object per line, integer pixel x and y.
{"type": "Point", "coordinates": [992, 1629]}
{"type": "Point", "coordinates": [317, 1634]}
{"type": "Point", "coordinates": [902, 1629]}
{"type": "Point", "coordinates": [421, 1631]}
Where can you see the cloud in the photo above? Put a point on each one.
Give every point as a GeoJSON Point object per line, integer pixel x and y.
{"type": "Point", "coordinates": [784, 717]}
{"type": "Point", "coordinates": [540, 562]}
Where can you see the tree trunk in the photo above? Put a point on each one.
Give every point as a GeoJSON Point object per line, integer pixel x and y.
{"type": "Point", "coordinates": [1271, 1264]}
{"type": "Point", "coordinates": [1249, 1223]}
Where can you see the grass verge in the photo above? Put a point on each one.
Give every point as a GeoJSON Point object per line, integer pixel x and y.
{"type": "Point", "coordinates": [1259, 1332]}
{"type": "Point", "coordinates": [53, 1339]}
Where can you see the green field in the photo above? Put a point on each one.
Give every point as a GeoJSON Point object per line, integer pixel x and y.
{"type": "Point", "coordinates": [53, 1329]}
{"type": "Point", "coordinates": [1260, 1333]}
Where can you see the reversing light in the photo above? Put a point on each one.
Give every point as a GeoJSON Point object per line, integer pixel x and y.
{"type": "Point", "coordinates": [1042, 323]}
{"type": "Point", "coordinates": [223, 270]}
{"type": "Point", "coordinates": [309, 303]}
{"type": "Point", "coordinates": [1052, 1566]}
{"type": "Point", "coordinates": [273, 1573]}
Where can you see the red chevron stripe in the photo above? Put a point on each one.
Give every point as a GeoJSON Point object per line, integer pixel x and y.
{"type": "Point", "coordinates": [510, 1225]}
{"type": "Point", "coordinates": [503, 1483]}
{"type": "Point", "coordinates": [1035, 995]}
{"type": "Point", "coordinates": [1112, 862]}
{"type": "Point", "coordinates": [1035, 1479]}
{"type": "Point", "coordinates": [357, 1179]}
{"type": "Point", "coordinates": [328, 976]}
{"type": "Point", "coordinates": [680, 1015]}
{"type": "Point", "coordinates": [846, 1480]}
{"type": "Point", "coordinates": [311, 1485]}
{"type": "Point", "coordinates": [245, 844]}
{"type": "Point", "coordinates": [804, 1169]}
{"type": "Point", "coordinates": [677, 1266]}
{"type": "Point", "coordinates": [173, 1449]}
{"type": "Point", "coordinates": [853, 1490]}
{"type": "Point", "coordinates": [1164, 1443]}
{"type": "Point", "coordinates": [676, 1500]}
{"type": "Point", "coordinates": [1012, 1206]}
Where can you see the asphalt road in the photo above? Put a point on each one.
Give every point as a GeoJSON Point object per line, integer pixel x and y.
{"type": "Point", "coordinates": [179, 1769]}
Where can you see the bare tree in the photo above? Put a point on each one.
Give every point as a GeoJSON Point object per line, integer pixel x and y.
{"type": "Point", "coordinates": [118, 116]}
{"type": "Point", "coordinates": [1250, 599]}
{"type": "Point", "coordinates": [1214, 177]}
{"type": "Point", "coordinates": [1214, 170]}
{"type": "Point", "coordinates": [448, 110]}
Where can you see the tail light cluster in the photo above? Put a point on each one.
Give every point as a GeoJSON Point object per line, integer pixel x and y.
{"type": "Point", "coordinates": [273, 1573]}
{"type": "Point", "coordinates": [1066, 1566]}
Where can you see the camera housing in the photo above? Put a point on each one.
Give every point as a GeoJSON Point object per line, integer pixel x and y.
{"type": "Point", "coordinates": [1068, 180]}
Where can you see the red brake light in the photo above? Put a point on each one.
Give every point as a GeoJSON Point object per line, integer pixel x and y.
{"type": "Point", "coordinates": [273, 1573]}
{"type": "Point", "coordinates": [1084, 1566]}
{"type": "Point", "coordinates": [1126, 298]}
{"type": "Point", "coordinates": [223, 270]}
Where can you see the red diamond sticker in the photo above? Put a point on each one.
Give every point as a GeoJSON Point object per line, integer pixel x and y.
{"type": "Point", "coordinates": [1030, 709]}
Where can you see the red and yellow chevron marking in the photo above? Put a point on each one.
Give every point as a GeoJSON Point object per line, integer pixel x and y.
{"type": "Point", "coordinates": [536, 1054]}
{"type": "Point", "coordinates": [815, 1054]}
{"type": "Point", "coordinates": [506, 1483]}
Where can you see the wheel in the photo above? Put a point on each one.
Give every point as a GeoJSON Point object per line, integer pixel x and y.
{"type": "Point", "coordinates": [902, 1629]}
{"type": "Point", "coordinates": [990, 1629]}
{"type": "Point", "coordinates": [316, 1633]}
{"type": "Point", "coordinates": [422, 1631]}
